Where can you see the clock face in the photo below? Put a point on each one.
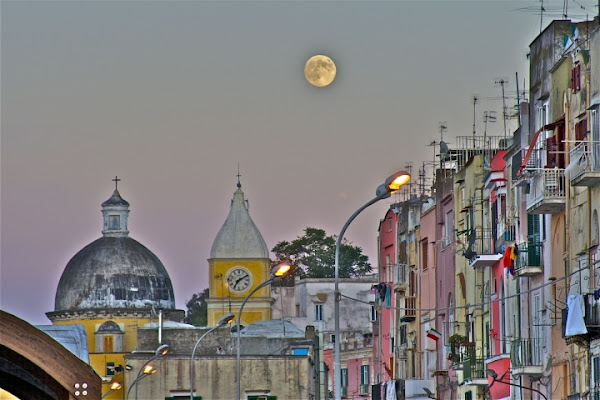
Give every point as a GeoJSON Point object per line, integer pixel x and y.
{"type": "Point", "coordinates": [238, 279]}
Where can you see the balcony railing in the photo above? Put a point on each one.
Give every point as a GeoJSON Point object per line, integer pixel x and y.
{"type": "Point", "coordinates": [530, 259]}
{"type": "Point", "coordinates": [546, 191]}
{"type": "Point", "coordinates": [584, 168]}
{"type": "Point", "coordinates": [480, 251]}
{"type": "Point", "coordinates": [526, 357]}
{"type": "Point", "coordinates": [409, 312]}
{"type": "Point", "coordinates": [401, 277]}
{"type": "Point", "coordinates": [363, 389]}
{"type": "Point", "coordinates": [474, 370]}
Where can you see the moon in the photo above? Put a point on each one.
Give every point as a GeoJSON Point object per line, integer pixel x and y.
{"type": "Point", "coordinates": [320, 70]}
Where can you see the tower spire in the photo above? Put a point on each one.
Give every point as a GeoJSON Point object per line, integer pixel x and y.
{"type": "Point", "coordinates": [238, 176]}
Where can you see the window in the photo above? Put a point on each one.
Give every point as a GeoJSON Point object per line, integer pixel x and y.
{"type": "Point", "coordinates": [318, 312]}
{"type": "Point", "coordinates": [424, 255]}
{"type": "Point", "coordinates": [373, 314]}
{"type": "Point", "coordinates": [448, 228]}
{"type": "Point", "coordinates": [262, 397]}
{"type": "Point", "coordinates": [344, 378]}
{"type": "Point", "coordinates": [576, 78]}
{"type": "Point", "coordinates": [364, 375]}
{"type": "Point", "coordinates": [114, 222]}
{"type": "Point", "coordinates": [108, 344]}
{"type": "Point", "coordinates": [389, 221]}
{"type": "Point", "coordinates": [403, 339]}
{"type": "Point", "coordinates": [332, 338]}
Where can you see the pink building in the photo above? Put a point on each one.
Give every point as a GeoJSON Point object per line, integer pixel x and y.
{"type": "Point", "coordinates": [444, 275]}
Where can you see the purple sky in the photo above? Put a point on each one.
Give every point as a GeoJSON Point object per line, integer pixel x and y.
{"type": "Point", "coordinates": [171, 96]}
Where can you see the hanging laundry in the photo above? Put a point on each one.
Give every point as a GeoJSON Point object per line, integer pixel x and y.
{"type": "Point", "coordinates": [388, 295]}
{"type": "Point", "coordinates": [507, 258]}
{"type": "Point", "coordinates": [381, 291]}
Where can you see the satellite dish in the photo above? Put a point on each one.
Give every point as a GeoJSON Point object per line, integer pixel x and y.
{"type": "Point", "coordinates": [444, 148]}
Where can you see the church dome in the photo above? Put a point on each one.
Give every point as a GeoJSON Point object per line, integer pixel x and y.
{"type": "Point", "coordinates": [239, 237]}
{"type": "Point", "coordinates": [114, 271]}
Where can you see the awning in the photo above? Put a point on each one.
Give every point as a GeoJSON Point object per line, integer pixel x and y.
{"type": "Point", "coordinates": [548, 127]}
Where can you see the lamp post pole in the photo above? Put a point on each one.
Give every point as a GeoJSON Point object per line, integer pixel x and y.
{"type": "Point", "coordinates": [392, 184]}
{"type": "Point", "coordinates": [276, 273]}
{"type": "Point", "coordinates": [495, 379]}
{"type": "Point", "coordinates": [160, 351]}
{"type": "Point", "coordinates": [224, 320]}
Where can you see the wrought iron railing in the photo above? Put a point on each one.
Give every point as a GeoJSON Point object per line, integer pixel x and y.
{"type": "Point", "coordinates": [474, 368]}
{"type": "Point", "coordinates": [530, 255]}
{"type": "Point", "coordinates": [526, 353]}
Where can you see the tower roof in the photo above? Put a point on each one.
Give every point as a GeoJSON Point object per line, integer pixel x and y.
{"type": "Point", "coordinates": [239, 237]}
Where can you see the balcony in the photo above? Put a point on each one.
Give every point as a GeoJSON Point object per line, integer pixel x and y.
{"type": "Point", "coordinates": [584, 168]}
{"type": "Point", "coordinates": [409, 313]}
{"type": "Point", "coordinates": [480, 251]}
{"type": "Point", "coordinates": [526, 357]}
{"type": "Point", "coordinates": [591, 319]}
{"type": "Point", "coordinates": [530, 259]}
{"type": "Point", "coordinates": [546, 191]}
{"type": "Point", "coordinates": [474, 371]}
{"type": "Point", "coordinates": [401, 277]}
{"type": "Point", "coordinates": [363, 390]}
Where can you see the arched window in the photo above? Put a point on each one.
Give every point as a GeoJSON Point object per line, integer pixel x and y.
{"type": "Point", "coordinates": [109, 338]}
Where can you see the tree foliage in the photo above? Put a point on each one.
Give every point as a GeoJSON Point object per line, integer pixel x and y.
{"type": "Point", "coordinates": [313, 256]}
{"type": "Point", "coordinates": [197, 309]}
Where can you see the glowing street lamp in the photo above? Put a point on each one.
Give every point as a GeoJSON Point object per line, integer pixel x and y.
{"type": "Point", "coordinates": [147, 368]}
{"type": "Point", "coordinates": [277, 273]}
{"type": "Point", "coordinates": [113, 388]}
{"type": "Point", "coordinates": [385, 190]}
{"type": "Point", "coordinates": [224, 320]}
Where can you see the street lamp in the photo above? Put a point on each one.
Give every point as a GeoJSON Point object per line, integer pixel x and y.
{"type": "Point", "coordinates": [277, 273]}
{"type": "Point", "coordinates": [391, 185]}
{"type": "Point", "coordinates": [147, 368]}
{"type": "Point", "coordinates": [114, 387]}
{"type": "Point", "coordinates": [224, 320]}
{"type": "Point", "coordinates": [495, 379]}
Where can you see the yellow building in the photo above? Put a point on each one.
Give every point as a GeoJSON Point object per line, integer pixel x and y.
{"type": "Point", "coordinates": [239, 262]}
{"type": "Point", "coordinates": [113, 286]}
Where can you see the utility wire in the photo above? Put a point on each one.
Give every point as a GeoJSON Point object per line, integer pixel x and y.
{"type": "Point", "coordinates": [485, 302]}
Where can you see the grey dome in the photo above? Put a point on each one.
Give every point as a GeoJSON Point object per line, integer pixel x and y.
{"type": "Point", "coordinates": [114, 272]}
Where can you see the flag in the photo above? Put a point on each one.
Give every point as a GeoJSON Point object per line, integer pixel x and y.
{"type": "Point", "coordinates": [574, 32]}
{"type": "Point", "coordinates": [567, 41]}
{"type": "Point", "coordinates": [433, 334]}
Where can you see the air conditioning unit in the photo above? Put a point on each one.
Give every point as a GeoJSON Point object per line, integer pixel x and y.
{"type": "Point", "coordinates": [402, 353]}
{"type": "Point", "coordinates": [363, 389]}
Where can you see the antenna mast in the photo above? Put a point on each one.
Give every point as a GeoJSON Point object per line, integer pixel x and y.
{"type": "Point", "coordinates": [474, 130]}
{"type": "Point", "coordinates": [502, 82]}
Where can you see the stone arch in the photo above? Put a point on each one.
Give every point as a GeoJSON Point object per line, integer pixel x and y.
{"type": "Point", "coordinates": [35, 366]}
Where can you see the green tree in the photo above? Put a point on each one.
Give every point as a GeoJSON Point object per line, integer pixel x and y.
{"type": "Point", "coordinates": [197, 309]}
{"type": "Point", "coordinates": [313, 256]}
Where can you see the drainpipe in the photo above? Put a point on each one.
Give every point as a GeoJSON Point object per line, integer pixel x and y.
{"type": "Point", "coordinates": [322, 376]}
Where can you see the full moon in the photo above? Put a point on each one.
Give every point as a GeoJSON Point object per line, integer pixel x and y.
{"type": "Point", "coordinates": [320, 70]}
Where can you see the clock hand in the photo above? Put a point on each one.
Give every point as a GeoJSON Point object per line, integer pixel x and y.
{"type": "Point", "coordinates": [238, 281]}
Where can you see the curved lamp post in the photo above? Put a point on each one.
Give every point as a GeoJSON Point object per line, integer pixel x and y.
{"type": "Point", "coordinates": [277, 273]}
{"type": "Point", "coordinates": [224, 320]}
{"type": "Point", "coordinates": [113, 388]}
{"type": "Point", "coordinates": [385, 190]}
{"type": "Point", "coordinates": [495, 379]}
{"type": "Point", "coordinates": [147, 368]}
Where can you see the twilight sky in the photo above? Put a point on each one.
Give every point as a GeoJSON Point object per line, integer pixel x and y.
{"type": "Point", "coordinates": [172, 96]}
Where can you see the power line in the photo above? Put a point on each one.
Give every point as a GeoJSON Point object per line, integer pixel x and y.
{"type": "Point", "coordinates": [485, 302]}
